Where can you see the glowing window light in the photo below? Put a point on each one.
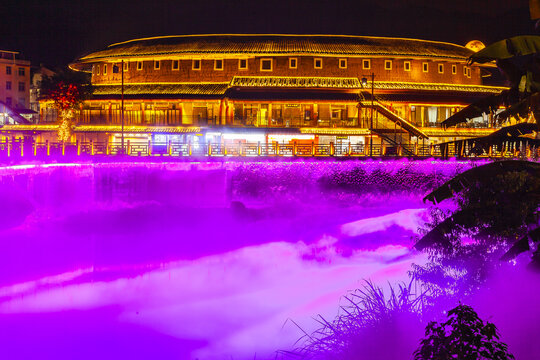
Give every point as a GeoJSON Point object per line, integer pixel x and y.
{"type": "Point", "coordinates": [247, 137]}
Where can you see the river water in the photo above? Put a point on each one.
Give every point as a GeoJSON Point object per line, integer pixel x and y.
{"type": "Point", "coordinates": [197, 260]}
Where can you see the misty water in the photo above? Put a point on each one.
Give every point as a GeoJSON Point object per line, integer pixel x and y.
{"type": "Point", "coordinates": [203, 260]}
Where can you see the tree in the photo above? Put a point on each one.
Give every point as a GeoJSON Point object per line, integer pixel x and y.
{"type": "Point", "coordinates": [496, 218]}
{"type": "Point", "coordinates": [67, 89]}
{"type": "Point", "coordinates": [463, 336]}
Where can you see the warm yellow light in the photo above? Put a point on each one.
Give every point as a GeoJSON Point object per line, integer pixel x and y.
{"type": "Point", "coordinates": [475, 45]}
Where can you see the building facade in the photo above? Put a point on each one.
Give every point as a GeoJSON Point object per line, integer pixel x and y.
{"type": "Point", "coordinates": [38, 74]}
{"type": "Point", "coordinates": [283, 88]}
{"type": "Point", "coordinates": [14, 88]}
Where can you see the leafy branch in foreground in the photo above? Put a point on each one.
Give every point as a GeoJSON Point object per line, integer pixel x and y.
{"type": "Point", "coordinates": [463, 336]}
{"type": "Point", "coordinates": [496, 219]}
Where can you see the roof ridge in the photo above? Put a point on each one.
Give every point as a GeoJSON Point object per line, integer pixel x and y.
{"type": "Point", "coordinates": [281, 35]}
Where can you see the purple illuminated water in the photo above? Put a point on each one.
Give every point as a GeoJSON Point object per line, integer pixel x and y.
{"type": "Point", "coordinates": [197, 260]}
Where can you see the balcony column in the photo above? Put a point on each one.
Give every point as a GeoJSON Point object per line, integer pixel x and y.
{"type": "Point", "coordinates": [181, 112]}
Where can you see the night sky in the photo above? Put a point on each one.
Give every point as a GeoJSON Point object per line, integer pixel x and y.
{"type": "Point", "coordinates": [57, 32]}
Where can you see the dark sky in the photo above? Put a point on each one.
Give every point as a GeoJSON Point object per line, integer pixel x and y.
{"type": "Point", "coordinates": [56, 32]}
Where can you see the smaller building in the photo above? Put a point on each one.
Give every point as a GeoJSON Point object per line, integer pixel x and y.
{"type": "Point", "coordinates": [14, 88]}
{"type": "Point", "coordinates": [35, 87]}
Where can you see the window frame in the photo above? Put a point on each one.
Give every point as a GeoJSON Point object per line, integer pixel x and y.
{"type": "Point", "coordinates": [126, 66]}
{"type": "Point", "coordinates": [364, 62]}
{"type": "Point", "coordinates": [157, 64]}
{"type": "Point", "coordinates": [193, 62]}
{"type": "Point", "coordinates": [388, 68]}
{"type": "Point", "coordinates": [264, 60]}
{"type": "Point", "coordinates": [425, 67]}
{"type": "Point", "coordinates": [222, 64]}
{"type": "Point", "coordinates": [291, 59]}
{"type": "Point", "coordinates": [407, 66]}
{"type": "Point", "coordinates": [104, 69]}
{"type": "Point", "coordinates": [240, 67]}
{"type": "Point", "coordinates": [139, 65]}
{"type": "Point", "coordinates": [21, 71]}
{"type": "Point", "coordinates": [9, 71]}
{"type": "Point", "coordinates": [342, 60]}
{"type": "Point", "coordinates": [454, 69]}
{"type": "Point", "coordinates": [8, 85]}
{"type": "Point", "coordinates": [22, 86]}
{"type": "Point", "coordinates": [315, 63]}
{"type": "Point", "coordinates": [440, 68]}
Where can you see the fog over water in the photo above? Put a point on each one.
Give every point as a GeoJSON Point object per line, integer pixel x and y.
{"type": "Point", "coordinates": [199, 260]}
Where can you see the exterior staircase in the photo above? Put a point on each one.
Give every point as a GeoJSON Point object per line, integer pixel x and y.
{"type": "Point", "coordinates": [13, 114]}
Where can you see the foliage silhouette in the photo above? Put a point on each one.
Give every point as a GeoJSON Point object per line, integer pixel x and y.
{"type": "Point", "coordinates": [463, 336]}
{"type": "Point", "coordinates": [496, 218]}
{"type": "Point", "coordinates": [364, 325]}
{"type": "Point", "coordinates": [67, 89]}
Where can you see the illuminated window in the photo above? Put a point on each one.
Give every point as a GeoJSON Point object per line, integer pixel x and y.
{"type": "Point", "coordinates": [293, 63]}
{"type": "Point", "coordinates": [441, 68]}
{"type": "Point", "coordinates": [139, 65]}
{"type": "Point", "coordinates": [218, 64]}
{"type": "Point", "coordinates": [8, 85]}
{"type": "Point", "coordinates": [342, 63]}
{"type": "Point", "coordinates": [175, 64]}
{"type": "Point", "coordinates": [366, 64]}
{"type": "Point", "coordinates": [407, 66]}
{"type": "Point", "coordinates": [266, 64]}
{"type": "Point", "coordinates": [425, 67]}
{"type": "Point", "coordinates": [317, 63]}
{"type": "Point", "coordinates": [387, 64]}
{"type": "Point", "coordinates": [454, 69]}
{"type": "Point", "coordinates": [242, 64]}
{"type": "Point", "coordinates": [8, 70]}
{"type": "Point", "coordinates": [126, 66]}
{"type": "Point", "coordinates": [21, 71]}
{"type": "Point", "coordinates": [21, 86]}
{"type": "Point", "coordinates": [157, 64]}
{"type": "Point", "coordinates": [196, 64]}
{"type": "Point", "coordinates": [105, 69]}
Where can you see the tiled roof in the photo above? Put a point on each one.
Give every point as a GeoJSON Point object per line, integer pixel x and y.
{"type": "Point", "coordinates": [387, 85]}
{"type": "Point", "coordinates": [217, 90]}
{"type": "Point", "coordinates": [137, 129]}
{"type": "Point", "coordinates": [457, 132]}
{"type": "Point", "coordinates": [161, 89]}
{"type": "Point", "coordinates": [24, 127]}
{"type": "Point", "coordinates": [107, 128]}
{"type": "Point", "coordinates": [295, 82]}
{"type": "Point", "coordinates": [335, 131]}
{"type": "Point", "coordinates": [280, 45]}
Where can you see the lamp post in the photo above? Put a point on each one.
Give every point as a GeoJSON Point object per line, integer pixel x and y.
{"type": "Point", "coordinates": [122, 76]}
{"type": "Point", "coordinates": [115, 70]}
{"type": "Point", "coordinates": [364, 84]}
